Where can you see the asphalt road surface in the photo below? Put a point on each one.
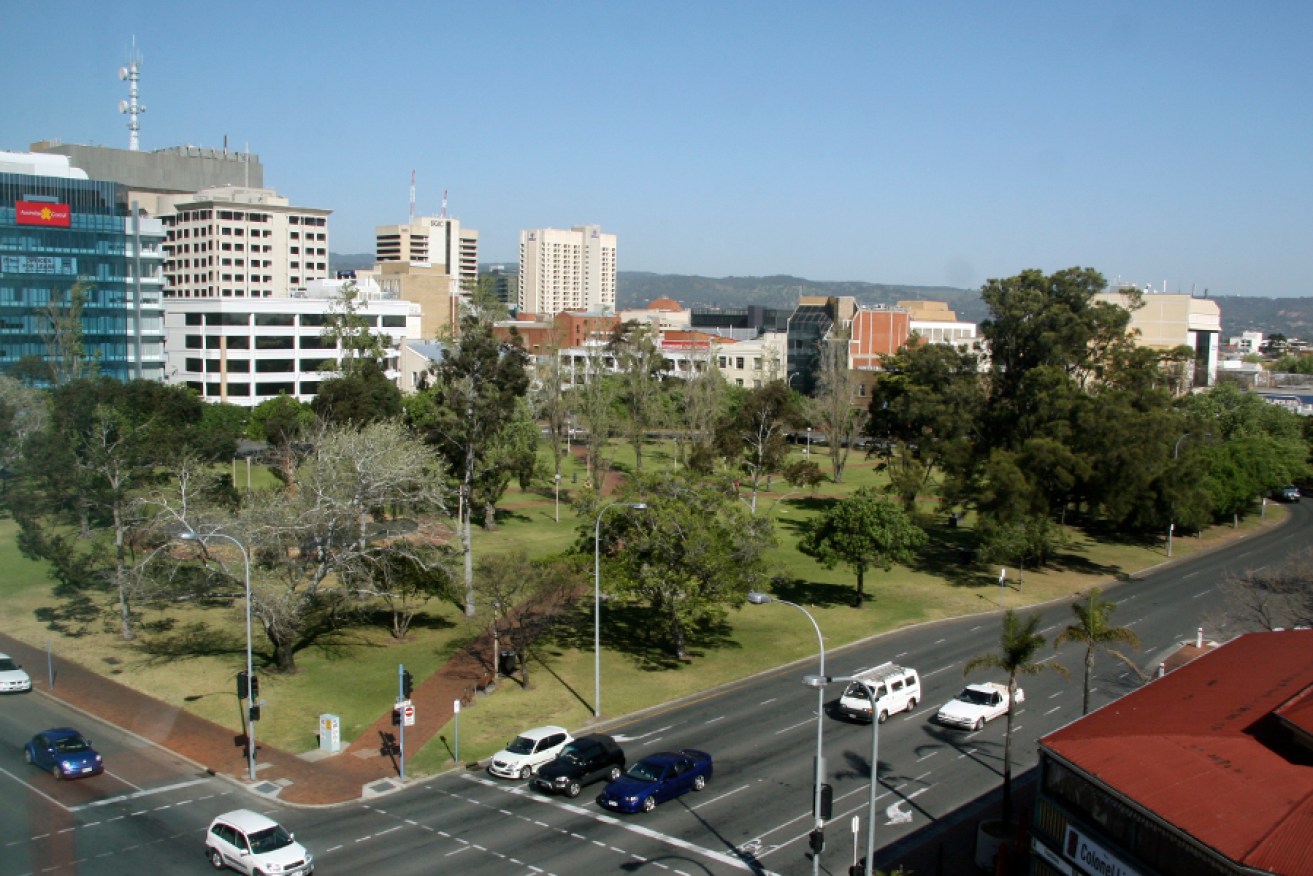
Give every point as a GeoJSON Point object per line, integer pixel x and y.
{"type": "Point", "coordinates": [149, 812]}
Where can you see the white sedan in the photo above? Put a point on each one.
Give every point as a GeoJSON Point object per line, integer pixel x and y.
{"type": "Point", "coordinates": [12, 677]}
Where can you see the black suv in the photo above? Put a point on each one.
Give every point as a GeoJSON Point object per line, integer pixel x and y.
{"type": "Point", "coordinates": [583, 761]}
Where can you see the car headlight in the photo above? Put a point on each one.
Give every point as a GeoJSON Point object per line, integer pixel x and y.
{"type": "Point", "coordinates": [66, 765]}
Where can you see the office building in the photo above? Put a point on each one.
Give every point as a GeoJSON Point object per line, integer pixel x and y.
{"type": "Point", "coordinates": [567, 270]}
{"type": "Point", "coordinates": [1165, 321]}
{"type": "Point", "coordinates": [58, 228]}
{"type": "Point", "coordinates": [246, 351]}
{"type": "Point", "coordinates": [437, 241]}
{"type": "Point", "coordinates": [175, 170]}
{"type": "Point", "coordinates": [231, 242]}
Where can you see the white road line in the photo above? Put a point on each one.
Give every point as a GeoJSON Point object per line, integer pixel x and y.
{"type": "Point", "coordinates": [1055, 695]}
{"type": "Point", "coordinates": [940, 641]}
{"type": "Point", "coordinates": [37, 790]}
{"type": "Point", "coordinates": [924, 756]}
{"type": "Point", "coordinates": [936, 671]}
{"type": "Point", "coordinates": [721, 797]}
{"type": "Point", "coordinates": [123, 780]}
{"type": "Point", "coordinates": [714, 720]}
{"type": "Point", "coordinates": [793, 727]}
{"type": "Point", "coordinates": [967, 753]}
{"type": "Point", "coordinates": [924, 712]}
{"type": "Point", "coordinates": [649, 833]}
{"type": "Point", "coordinates": [1183, 578]}
{"type": "Point", "coordinates": [138, 795]}
{"type": "Point", "coordinates": [767, 702]}
{"type": "Point", "coordinates": [902, 654]}
{"type": "Point", "coordinates": [1201, 593]}
{"type": "Point", "coordinates": [1052, 710]}
{"type": "Point", "coordinates": [976, 627]}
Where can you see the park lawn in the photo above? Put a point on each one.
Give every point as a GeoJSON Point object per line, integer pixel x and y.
{"type": "Point", "coordinates": [561, 689]}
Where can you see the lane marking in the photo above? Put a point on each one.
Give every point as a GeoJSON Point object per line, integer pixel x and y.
{"type": "Point", "coordinates": [936, 671]}
{"type": "Point", "coordinates": [793, 727]}
{"type": "Point", "coordinates": [714, 720]}
{"type": "Point", "coordinates": [139, 794]}
{"type": "Point", "coordinates": [1052, 710]}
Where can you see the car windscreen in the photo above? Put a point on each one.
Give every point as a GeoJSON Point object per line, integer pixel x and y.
{"type": "Point", "coordinates": [520, 745]}
{"type": "Point", "coordinates": [7, 665]}
{"type": "Point", "coordinates": [71, 745]}
{"type": "Point", "coordinates": [975, 697]}
{"type": "Point", "coordinates": [644, 771]}
{"type": "Point", "coordinates": [271, 839]}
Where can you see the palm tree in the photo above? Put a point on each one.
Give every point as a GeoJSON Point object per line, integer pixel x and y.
{"type": "Point", "coordinates": [1093, 631]}
{"type": "Point", "coordinates": [1019, 644]}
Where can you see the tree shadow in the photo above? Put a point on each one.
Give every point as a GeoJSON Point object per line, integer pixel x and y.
{"type": "Point", "coordinates": [629, 629]}
{"type": "Point", "coordinates": [821, 594]}
{"type": "Point", "coordinates": [72, 617]}
{"type": "Point", "coordinates": [192, 640]}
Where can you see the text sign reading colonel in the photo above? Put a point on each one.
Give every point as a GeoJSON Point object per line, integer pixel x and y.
{"type": "Point", "coordinates": [1092, 857]}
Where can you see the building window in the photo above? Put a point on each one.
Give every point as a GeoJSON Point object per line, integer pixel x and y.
{"type": "Point", "coordinates": [288, 388]}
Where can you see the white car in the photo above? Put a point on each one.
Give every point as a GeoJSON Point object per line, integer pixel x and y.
{"type": "Point", "coordinates": [250, 843]}
{"type": "Point", "coordinates": [531, 749]}
{"type": "Point", "coordinates": [976, 704]}
{"type": "Point", "coordinates": [12, 677]}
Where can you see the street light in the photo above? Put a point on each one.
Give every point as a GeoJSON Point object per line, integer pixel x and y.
{"type": "Point", "coordinates": [819, 681]}
{"type": "Point", "coordinates": [558, 497]}
{"type": "Point", "coordinates": [597, 601]}
{"type": "Point", "coordinates": [757, 598]}
{"type": "Point", "coordinates": [190, 535]}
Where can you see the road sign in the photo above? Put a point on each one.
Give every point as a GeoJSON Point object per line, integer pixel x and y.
{"type": "Point", "coordinates": [408, 715]}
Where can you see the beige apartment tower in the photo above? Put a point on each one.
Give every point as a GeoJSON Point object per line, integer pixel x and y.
{"type": "Point", "coordinates": [567, 270]}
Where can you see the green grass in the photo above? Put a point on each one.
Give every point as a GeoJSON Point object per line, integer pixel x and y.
{"type": "Point", "coordinates": [353, 674]}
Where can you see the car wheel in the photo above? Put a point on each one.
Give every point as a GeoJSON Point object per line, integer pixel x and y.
{"type": "Point", "coordinates": [699, 782]}
{"type": "Point", "coordinates": [525, 772]}
{"type": "Point", "coordinates": [54, 771]}
{"type": "Point", "coordinates": [572, 789]}
{"type": "Point", "coordinates": [980, 724]}
{"type": "Point", "coordinates": [216, 859]}
{"type": "Point", "coordinates": [649, 803]}
{"type": "Point", "coordinates": [911, 703]}
{"type": "Point", "coordinates": [27, 755]}
{"type": "Point", "coordinates": [614, 774]}
{"type": "Point", "coordinates": [884, 716]}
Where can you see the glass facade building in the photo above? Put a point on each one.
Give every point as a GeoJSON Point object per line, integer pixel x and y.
{"type": "Point", "coordinates": [58, 231]}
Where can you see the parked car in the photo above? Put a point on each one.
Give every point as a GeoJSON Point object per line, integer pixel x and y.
{"type": "Point", "coordinates": [1289, 493]}
{"type": "Point", "coordinates": [251, 843]}
{"type": "Point", "coordinates": [657, 778]}
{"type": "Point", "coordinates": [525, 753]}
{"type": "Point", "coordinates": [581, 762]}
{"type": "Point", "coordinates": [12, 677]}
{"type": "Point", "coordinates": [64, 753]}
{"type": "Point", "coordinates": [976, 704]}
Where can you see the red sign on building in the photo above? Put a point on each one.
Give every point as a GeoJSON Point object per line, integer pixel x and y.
{"type": "Point", "coordinates": [42, 213]}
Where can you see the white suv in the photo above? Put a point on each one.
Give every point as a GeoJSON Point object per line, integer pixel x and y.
{"type": "Point", "coordinates": [249, 843]}
{"type": "Point", "coordinates": [531, 749]}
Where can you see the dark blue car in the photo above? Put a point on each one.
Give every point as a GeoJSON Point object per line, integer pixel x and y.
{"type": "Point", "coordinates": [64, 753]}
{"type": "Point", "coordinates": [657, 778]}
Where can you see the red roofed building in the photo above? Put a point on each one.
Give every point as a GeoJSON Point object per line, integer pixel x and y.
{"type": "Point", "coordinates": [1205, 771]}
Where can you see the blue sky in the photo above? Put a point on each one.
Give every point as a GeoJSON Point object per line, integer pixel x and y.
{"type": "Point", "coordinates": [931, 143]}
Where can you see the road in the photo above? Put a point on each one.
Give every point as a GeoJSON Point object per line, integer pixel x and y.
{"type": "Point", "coordinates": [753, 818]}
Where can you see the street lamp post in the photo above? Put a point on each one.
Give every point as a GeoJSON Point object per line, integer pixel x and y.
{"type": "Point", "coordinates": [597, 601]}
{"type": "Point", "coordinates": [761, 599]}
{"type": "Point", "coordinates": [558, 497]}
{"type": "Point", "coordinates": [819, 681]}
{"type": "Point", "coordinates": [190, 535]}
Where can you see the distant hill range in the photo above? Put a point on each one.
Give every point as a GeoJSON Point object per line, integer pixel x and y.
{"type": "Point", "coordinates": [1292, 317]}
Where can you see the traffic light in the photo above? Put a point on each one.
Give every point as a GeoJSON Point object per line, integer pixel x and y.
{"type": "Point", "coordinates": [243, 692]}
{"type": "Point", "coordinates": [407, 684]}
{"type": "Point", "coordinates": [858, 869]}
{"type": "Point", "coordinates": [255, 687]}
{"type": "Point", "coordinates": [255, 713]}
{"type": "Point", "coordinates": [817, 841]}
{"type": "Point", "coordinates": [827, 801]}
{"type": "Point", "coordinates": [396, 717]}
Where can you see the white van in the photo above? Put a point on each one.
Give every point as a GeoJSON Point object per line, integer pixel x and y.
{"type": "Point", "coordinates": [897, 689]}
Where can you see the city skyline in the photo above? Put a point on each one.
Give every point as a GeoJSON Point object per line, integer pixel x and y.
{"type": "Point", "coordinates": [935, 144]}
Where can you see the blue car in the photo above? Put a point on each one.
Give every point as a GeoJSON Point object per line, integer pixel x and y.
{"type": "Point", "coordinates": [64, 753]}
{"type": "Point", "coordinates": [657, 778]}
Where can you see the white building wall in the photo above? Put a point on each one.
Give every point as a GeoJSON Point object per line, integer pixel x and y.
{"type": "Point", "coordinates": [567, 270]}
{"type": "Point", "coordinates": [248, 351]}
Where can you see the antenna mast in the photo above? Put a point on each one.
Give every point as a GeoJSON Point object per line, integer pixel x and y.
{"type": "Point", "coordinates": [444, 203]}
{"type": "Point", "coordinates": [130, 107]}
{"type": "Point", "coordinates": [412, 196]}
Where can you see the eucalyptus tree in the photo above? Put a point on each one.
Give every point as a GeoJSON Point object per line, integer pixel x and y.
{"type": "Point", "coordinates": [833, 407]}
{"type": "Point", "coordinates": [863, 531]}
{"type": "Point", "coordinates": [1094, 630]}
{"type": "Point", "coordinates": [1019, 642]}
{"type": "Point", "coordinates": [689, 555]}
{"type": "Point", "coordinates": [640, 366]}
{"type": "Point", "coordinates": [465, 412]}
{"type": "Point", "coordinates": [752, 435]}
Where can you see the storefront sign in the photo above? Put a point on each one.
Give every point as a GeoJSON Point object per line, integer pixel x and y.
{"type": "Point", "coordinates": [42, 213]}
{"type": "Point", "coordinates": [1094, 858]}
{"type": "Point", "coordinates": [1052, 858]}
{"type": "Point", "coordinates": [58, 265]}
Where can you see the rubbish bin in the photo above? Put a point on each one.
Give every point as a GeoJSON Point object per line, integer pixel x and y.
{"type": "Point", "coordinates": [507, 662]}
{"type": "Point", "coordinates": [330, 733]}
